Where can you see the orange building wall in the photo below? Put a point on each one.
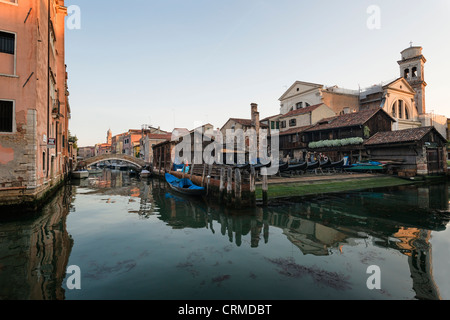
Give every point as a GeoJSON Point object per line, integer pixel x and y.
{"type": "Point", "coordinates": [23, 162]}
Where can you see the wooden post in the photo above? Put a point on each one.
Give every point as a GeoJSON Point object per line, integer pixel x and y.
{"type": "Point", "coordinates": [192, 170]}
{"type": "Point", "coordinates": [208, 178]}
{"type": "Point", "coordinates": [252, 185]}
{"type": "Point", "coordinates": [237, 187]}
{"type": "Point", "coordinates": [265, 186]}
{"type": "Point", "coordinates": [229, 185]}
{"type": "Point", "coordinates": [203, 175]}
{"type": "Point", "coordinates": [159, 163]}
{"type": "Point", "coordinates": [222, 185]}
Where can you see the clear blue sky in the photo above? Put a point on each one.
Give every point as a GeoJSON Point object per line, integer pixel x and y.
{"type": "Point", "coordinates": [175, 63]}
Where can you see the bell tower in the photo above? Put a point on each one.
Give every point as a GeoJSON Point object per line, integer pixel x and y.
{"type": "Point", "coordinates": [412, 69]}
{"type": "Point", "coordinates": [109, 137]}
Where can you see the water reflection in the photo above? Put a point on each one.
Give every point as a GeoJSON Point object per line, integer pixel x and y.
{"type": "Point", "coordinates": [34, 253]}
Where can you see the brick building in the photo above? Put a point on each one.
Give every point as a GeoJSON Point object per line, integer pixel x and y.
{"type": "Point", "coordinates": [34, 108]}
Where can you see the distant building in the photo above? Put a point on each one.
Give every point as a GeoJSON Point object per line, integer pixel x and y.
{"type": "Point", "coordinates": [148, 141]}
{"type": "Point", "coordinates": [292, 125]}
{"type": "Point", "coordinates": [403, 98]}
{"type": "Point", "coordinates": [86, 152]}
{"type": "Point", "coordinates": [305, 94]}
{"type": "Point", "coordinates": [34, 108]}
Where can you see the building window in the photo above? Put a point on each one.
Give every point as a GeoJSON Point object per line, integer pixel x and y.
{"type": "Point", "coordinates": [283, 124]}
{"type": "Point", "coordinates": [6, 116]}
{"type": "Point", "coordinates": [394, 110]}
{"type": "Point", "coordinates": [7, 43]}
{"type": "Point", "coordinates": [292, 122]}
{"type": "Point", "coordinates": [414, 72]}
{"type": "Point", "coordinates": [400, 109]}
{"type": "Point", "coordinates": [307, 105]}
{"type": "Point", "coordinates": [406, 74]}
{"type": "Point", "coordinates": [272, 125]}
{"type": "Point", "coordinates": [299, 105]}
{"type": "Point", "coordinates": [406, 113]}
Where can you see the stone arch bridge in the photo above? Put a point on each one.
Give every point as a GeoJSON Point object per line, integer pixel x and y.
{"type": "Point", "coordinates": [108, 157]}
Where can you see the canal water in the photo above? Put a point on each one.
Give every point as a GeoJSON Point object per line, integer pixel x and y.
{"type": "Point", "coordinates": [122, 238]}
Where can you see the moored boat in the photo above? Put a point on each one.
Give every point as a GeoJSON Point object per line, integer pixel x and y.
{"type": "Point", "coordinates": [145, 174]}
{"type": "Point", "coordinates": [298, 166]}
{"type": "Point", "coordinates": [184, 186]}
{"type": "Point", "coordinates": [80, 174]}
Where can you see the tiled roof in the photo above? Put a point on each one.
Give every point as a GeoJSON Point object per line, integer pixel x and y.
{"type": "Point", "coordinates": [301, 111]}
{"type": "Point", "coordinates": [346, 120]}
{"type": "Point", "coordinates": [294, 130]}
{"type": "Point", "coordinates": [245, 122]}
{"type": "Point", "coordinates": [407, 135]}
{"type": "Point", "coordinates": [157, 136]}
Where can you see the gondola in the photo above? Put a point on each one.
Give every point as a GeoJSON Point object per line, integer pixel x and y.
{"type": "Point", "coordinates": [244, 166]}
{"type": "Point", "coordinates": [338, 164]}
{"type": "Point", "coordinates": [313, 165]}
{"type": "Point", "coordinates": [260, 165]}
{"type": "Point", "coordinates": [283, 166]}
{"type": "Point", "coordinates": [184, 186]}
{"type": "Point", "coordinates": [325, 164]}
{"type": "Point", "coordinates": [298, 166]}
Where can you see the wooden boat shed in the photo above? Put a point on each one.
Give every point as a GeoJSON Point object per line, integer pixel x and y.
{"type": "Point", "coordinates": [409, 152]}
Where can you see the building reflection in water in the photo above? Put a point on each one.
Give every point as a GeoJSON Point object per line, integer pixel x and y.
{"type": "Point", "coordinates": [321, 225]}
{"type": "Point", "coordinates": [34, 252]}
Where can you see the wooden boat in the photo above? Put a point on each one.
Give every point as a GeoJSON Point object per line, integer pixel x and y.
{"type": "Point", "coordinates": [368, 166]}
{"type": "Point", "coordinates": [95, 171]}
{"type": "Point", "coordinates": [145, 174]}
{"type": "Point", "coordinates": [80, 174]}
{"type": "Point", "coordinates": [313, 165]}
{"type": "Point", "coordinates": [260, 165]}
{"type": "Point", "coordinates": [338, 164]}
{"type": "Point", "coordinates": [298, 166]}
{"type": "Point", "coordinates": [244, 166]}
{"type": "Point", "coordinates": [184, 186]}
{"type": "Point", "coordinates": [283, 166]}
{"type": "Point", "coordinates": [325, 164]}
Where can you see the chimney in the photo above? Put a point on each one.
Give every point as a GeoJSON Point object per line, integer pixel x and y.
{"type": "Point", "coordinates": [255, 117]}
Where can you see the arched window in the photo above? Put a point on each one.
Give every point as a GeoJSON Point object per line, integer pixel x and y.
{"type": "Point", "coordinates": [400, 110]}
{"type": "Point", "coordinates": [414, 72]}
{"type": "Point", "coordinates": [406, 113]}
{"type": "Point", "coordinates": [394, 110]}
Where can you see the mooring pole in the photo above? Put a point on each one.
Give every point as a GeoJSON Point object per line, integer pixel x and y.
{"type": "Point", "coordinates": [237, 187]}
{"type": "Point", "coordinates": [229, 185]}
{"type": "Point", "coordinates": [222, 185]}
{"type": "Point", "coordinates": [265, 186]}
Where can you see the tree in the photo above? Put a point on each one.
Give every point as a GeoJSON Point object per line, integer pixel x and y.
{"type": "Point", "coordinates": [74, 141]}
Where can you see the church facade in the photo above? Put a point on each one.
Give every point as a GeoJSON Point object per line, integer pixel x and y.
{"type": "Point", "coordinates": [402, 98]}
